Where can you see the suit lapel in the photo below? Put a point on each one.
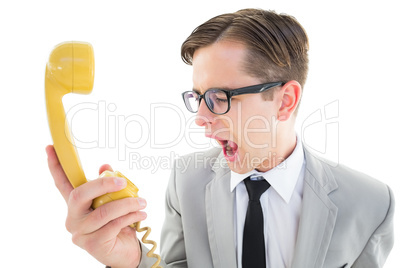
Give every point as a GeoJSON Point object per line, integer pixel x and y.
{"type": "Point", "coordinates": [317, 221]}
{"type": "Point", "coordinates": [219, 203]}
{"type": "Point", "coordinates": [318, 215]}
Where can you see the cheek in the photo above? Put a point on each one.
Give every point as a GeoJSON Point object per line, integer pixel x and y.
{"type": "Point", "coordinates": [229, 124]}
{"type": "Point", "coordinates": [249, 123]}
{"type": "Point", "coordinates": [258, 124]}
{"type": "Point", "coordinates": [256, 132]}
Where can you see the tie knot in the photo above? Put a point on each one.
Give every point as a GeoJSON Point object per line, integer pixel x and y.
{"type": "Point", "coordinates": [256, 188]}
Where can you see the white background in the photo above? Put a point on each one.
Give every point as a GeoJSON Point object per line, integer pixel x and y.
{"type": "Point", "coordinates": [353, 84]}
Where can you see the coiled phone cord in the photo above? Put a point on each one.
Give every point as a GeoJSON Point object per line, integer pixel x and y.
{"type": "Point", "coordinates": [144, 240]}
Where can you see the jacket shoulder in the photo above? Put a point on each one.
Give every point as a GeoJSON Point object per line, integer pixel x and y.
{"type": "Point", "coordinates": [356, 194]}
{"type": "Point", "coordinates": [197, 161]}
{"type": "Point", "coordinates": [361, 187]}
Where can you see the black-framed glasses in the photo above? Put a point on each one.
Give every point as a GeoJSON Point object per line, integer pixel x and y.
{"type": "Point", "coordinates": [218, 100]}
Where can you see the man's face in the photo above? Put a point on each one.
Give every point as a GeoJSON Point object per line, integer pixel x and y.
{"type": "Point", "coordinates": [247, 133]}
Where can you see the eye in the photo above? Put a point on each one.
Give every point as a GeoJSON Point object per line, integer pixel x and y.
{"type": "Point", "coordinates": [219, 96]}
{"type": "Point", "coordinates": [220, 100]}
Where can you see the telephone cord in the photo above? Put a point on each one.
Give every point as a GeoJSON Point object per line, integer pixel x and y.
{"type": "Point", "coordinates": [144, 240]}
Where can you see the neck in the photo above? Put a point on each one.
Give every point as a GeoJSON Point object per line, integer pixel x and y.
{"type": "Point", "coordinates": [285, 145]}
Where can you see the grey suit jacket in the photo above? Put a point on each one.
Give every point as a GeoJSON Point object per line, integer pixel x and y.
{"type": "Point", "coordinates": [346, 218]}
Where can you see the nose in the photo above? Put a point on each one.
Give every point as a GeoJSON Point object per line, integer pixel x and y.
{"type": "Point", "coordinates": [204, 115]}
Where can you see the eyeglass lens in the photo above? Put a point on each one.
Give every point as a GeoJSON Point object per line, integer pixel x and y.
{"type": "Point", "coordinates": [216, 101]}
{"type": "Point", "coordinates": [191, 101]}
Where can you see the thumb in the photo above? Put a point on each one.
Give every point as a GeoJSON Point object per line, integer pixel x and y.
{"type": "Point", "coordinates": [105, 167]}
{"type": "Point", "coordinates": [60, 178]}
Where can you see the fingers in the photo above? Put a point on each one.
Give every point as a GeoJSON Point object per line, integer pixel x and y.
{"type": "Point", "coordinates": [113, 228]}
{"type": "Point", "coordinates": [112, 211]}
{"type": "Point", "coordinates": [103, 231]}
{"type": "Point", "coordinates": [105, 223]}
{"type": "Point", "coordinates": [80, 199]}
{"type": "Point", "coordinates": [60, 178]}
{"type": "Point", "coordinates": [105, 238]}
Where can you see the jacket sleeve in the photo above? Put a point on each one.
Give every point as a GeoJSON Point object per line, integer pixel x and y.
{"type": "Point", "coordinates": [172, 237]}
{"type": "Point", "coordinates": [381, 241]}
{"type": "Point", "coordinates": [147, 262]}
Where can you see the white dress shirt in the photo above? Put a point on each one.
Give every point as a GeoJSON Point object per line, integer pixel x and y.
{"type": "Point", "coordinates": [281, 206]}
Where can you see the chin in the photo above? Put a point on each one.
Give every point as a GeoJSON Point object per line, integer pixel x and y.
{"type": "Point", "coordinates": [239, 165]}
{"type": "Point", "coordinates": [239, 170]}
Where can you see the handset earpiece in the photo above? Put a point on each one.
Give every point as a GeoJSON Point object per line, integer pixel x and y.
{"type": "Point", "coordinates": [70, 69]}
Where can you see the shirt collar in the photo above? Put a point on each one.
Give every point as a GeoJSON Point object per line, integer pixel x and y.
{"type": "Point", "coordinates": [283, 177]}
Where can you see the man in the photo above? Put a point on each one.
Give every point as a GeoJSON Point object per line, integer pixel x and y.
{"type": "Point", "coordinates": [249, 69]}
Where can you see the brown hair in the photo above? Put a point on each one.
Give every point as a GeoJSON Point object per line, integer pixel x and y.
{"type": "Point", "coordinates": [277, 43]}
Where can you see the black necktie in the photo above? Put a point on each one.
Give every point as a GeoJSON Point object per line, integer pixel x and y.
{"type": "Point", "coordinates": [253, 235]}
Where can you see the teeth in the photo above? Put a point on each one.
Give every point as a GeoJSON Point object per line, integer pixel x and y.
{"type": "Point", "coordinates": [230, 148]}
{"type": "Point", "coordinates": [233, 145]}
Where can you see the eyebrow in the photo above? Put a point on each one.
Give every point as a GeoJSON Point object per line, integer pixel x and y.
{"type": "Point", "coordinates": [222, 88]}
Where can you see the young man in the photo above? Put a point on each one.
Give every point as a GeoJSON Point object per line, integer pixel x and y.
{"type": "Point", "coordinates": [262, 199]}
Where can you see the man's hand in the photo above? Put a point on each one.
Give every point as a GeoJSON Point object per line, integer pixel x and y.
{"type": "Point", "coordinates": [103, 232]}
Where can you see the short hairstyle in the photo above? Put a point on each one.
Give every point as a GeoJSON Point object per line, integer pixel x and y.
{"type": "Point", "coordinates": [277, 44]}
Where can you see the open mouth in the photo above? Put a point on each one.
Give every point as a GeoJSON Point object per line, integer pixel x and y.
{"type": "Point", "coordinates": [229, 149]}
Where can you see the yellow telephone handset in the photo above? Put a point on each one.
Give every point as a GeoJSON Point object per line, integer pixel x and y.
{"type": "Point", "coordinates": [70, 69]}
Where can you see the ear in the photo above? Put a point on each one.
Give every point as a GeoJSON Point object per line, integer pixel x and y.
{"type": "Point", "coordinates": [291, 94]}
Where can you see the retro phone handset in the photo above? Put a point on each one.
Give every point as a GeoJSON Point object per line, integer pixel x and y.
{"type": "Point", "coordinates": [70, 69]}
